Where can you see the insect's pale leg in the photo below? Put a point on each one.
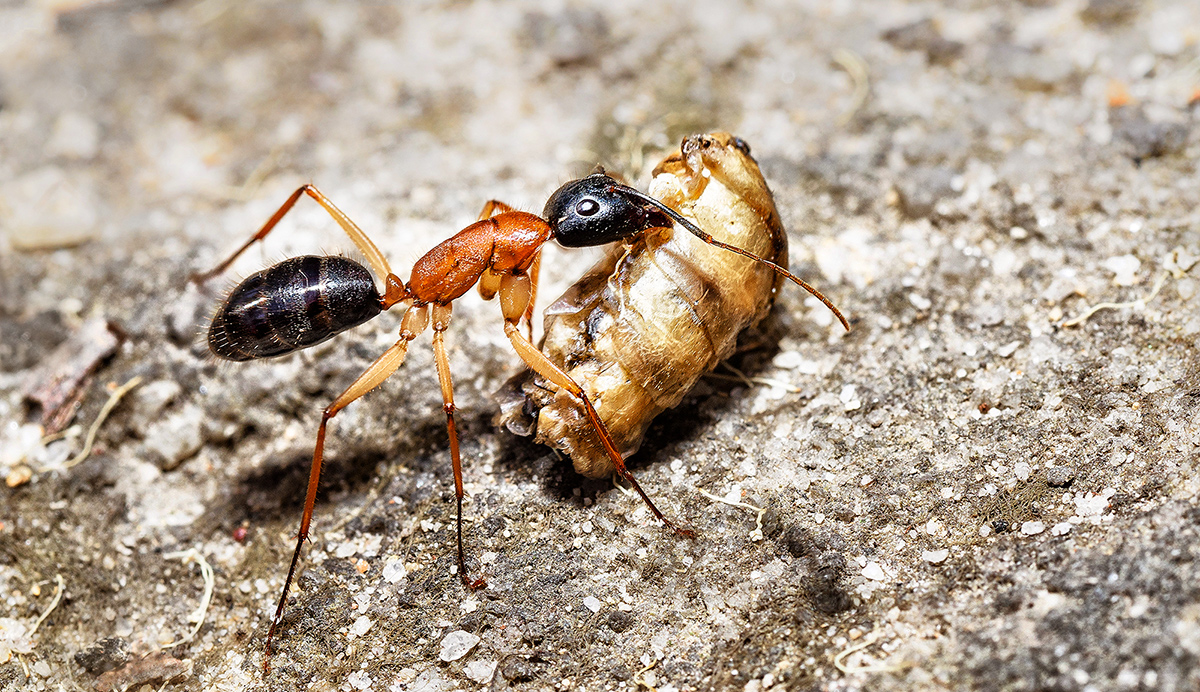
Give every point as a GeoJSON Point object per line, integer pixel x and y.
{"type": "Point", "coordinates": [543, 366]}
{"type": "Point", "coordinates": [378, 262]}
{"type": "Point", "coordinates": [443, 371]}
{"type": "Point", "coordinates": [379, 371]}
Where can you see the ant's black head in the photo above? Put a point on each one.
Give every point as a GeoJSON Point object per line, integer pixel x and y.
{"type": "Point", "coordinates": [598, 210]}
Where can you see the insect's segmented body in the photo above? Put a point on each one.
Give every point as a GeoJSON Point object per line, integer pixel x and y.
{"type": "Point", "coordinates": [641, 327]}
{"type": "Point", "coordinates": [297, 303]}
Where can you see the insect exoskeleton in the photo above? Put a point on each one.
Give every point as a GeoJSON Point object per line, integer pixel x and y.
{"type": "Point", "coordinates": [297, 303]}
{"type": "Point", "coordinates": [641, 327]}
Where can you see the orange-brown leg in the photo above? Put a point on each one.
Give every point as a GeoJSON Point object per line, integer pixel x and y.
{"type": "Point", "coordinates": [514, 294]}
{"type": "Point", "coordinates": [493, 207]}
{"type": "Point", "coordinates": [534, 270]}
{"type": "Point", "coordinates": [489, 283]}
{"type": "Point", "coordinates": [378, 262]}
{"type": "Point", "coordinates": [441, 320]}
{"type": "Point", "coordinates": [414, 323]}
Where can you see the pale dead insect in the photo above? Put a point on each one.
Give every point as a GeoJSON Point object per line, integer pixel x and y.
{"type": "Point", "coordinates": [659, 310]}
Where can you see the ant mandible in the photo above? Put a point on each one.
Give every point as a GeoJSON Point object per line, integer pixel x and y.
{"type": "Point", "coordinates": [303, 301]}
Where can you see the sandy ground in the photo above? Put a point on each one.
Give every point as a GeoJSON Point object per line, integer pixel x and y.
{"type": "Point", "coordinates": [984, 485]}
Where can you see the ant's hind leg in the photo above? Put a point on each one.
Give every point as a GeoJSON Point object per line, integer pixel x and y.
{"type": "Point", "coordinates": [413, 324]}
{"type": "Point", "coordinates": [378, 262]}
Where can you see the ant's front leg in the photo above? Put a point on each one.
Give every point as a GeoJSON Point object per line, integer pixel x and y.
{"type": "Point", "coordinates": [489, 283]}
{"type": "Point", "coordinates": [514, 294]}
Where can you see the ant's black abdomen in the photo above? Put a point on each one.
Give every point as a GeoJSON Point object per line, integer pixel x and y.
{"type": "Point", "coordinates": [297, 303]}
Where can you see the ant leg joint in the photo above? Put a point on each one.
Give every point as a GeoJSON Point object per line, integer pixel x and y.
{"type": "Point", "coordinates": [440, 314]}
{"type": "Point", "coordinates": [415, 320]}
{"type": "Point", "coordinates": [516, 292]}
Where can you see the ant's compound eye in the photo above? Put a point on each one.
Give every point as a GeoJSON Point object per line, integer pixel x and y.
{"type": "Point", "coordinates": [587, 207]}
{"type": "Point", "coordinates": [740, 145]}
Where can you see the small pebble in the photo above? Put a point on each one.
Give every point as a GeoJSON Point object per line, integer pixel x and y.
{"type": "Point", "coordinates": [17, 441]}
{"type": "Point", "coordinates": [394, 571]}
{"type": "Point", "coordinates": [18, 476]}
{"type": "Point", "coordinates": [1061, 529]}
{"type": "Point", "coordinates": [457, 644]}
{"type": "Point", "coordinates": [935, 557]}
{"type": "Point", "coordinates": [481, 672]}
{"type": "Point", "coordinates": [1032, 528]}
{"type": "Point", "coordinates": [1125, 268]}
{"type": "Point", "coordinates": [874, 572]}
{"type": "Point", "coordinates": [919, 301]}
{"type": "Point", "coordinates": [849, 398]}
{"type": "Point", "coordinates": [75, 136]}
{"type": "Point", "coordinates": [175, 438]}
{"type": "Point", "coordinates": [592, 603]}
{"type": "Point", "coordinates": [361, 625]}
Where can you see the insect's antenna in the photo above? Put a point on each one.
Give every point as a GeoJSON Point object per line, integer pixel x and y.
{"type": "Point", "coordinates": [695, 230]}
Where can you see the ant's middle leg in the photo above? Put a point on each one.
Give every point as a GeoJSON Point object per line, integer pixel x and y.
{"type": "Point", "coordinates": [414, 322]}
{"type": "Point", "coordinates": [376, 259]}
{"type": "Point", "coordinates": [514, 293]}
{"type": "Point", "coordinates": [490, 283]}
